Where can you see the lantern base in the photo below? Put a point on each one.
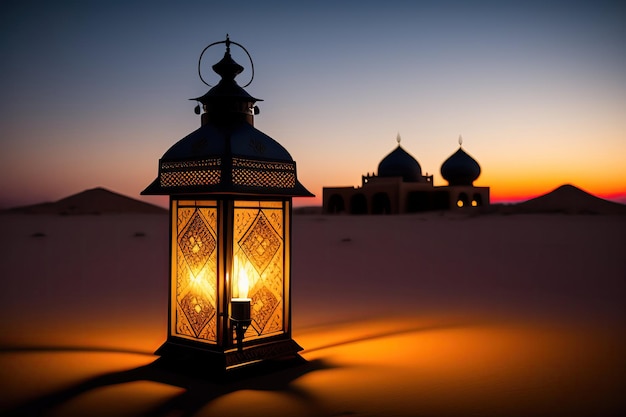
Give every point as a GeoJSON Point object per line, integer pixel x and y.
{"type": "Point", "coordinates": [197, 356]}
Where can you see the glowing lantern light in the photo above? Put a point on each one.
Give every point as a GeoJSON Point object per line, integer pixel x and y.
{"type": "Point", "coordinates": [231, 189]}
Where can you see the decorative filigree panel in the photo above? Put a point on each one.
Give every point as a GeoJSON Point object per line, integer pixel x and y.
{"type": "Point", "coordinates": [196, 243]}
{"type": "Point", "coordinates": [194, 271]}
{"type": "Point", "coordinates": [191, 164]}
{"type": "Point", "coordinates": [259, 245]}
{"type": "Point", "coordinates": [265, 174]}
{"type": "Point", "coordinates": [245, 172]}
{"type": "Point", "coordinates": [198, 310]}
{"type": "Point", "coordinates": [190, 173]}
{"type": "Point", "coordinates": [190, 178]}
{"type": "Point", "coordinates": [262, 307]}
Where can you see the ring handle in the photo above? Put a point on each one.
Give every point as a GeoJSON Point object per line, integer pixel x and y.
{"type": "Point", "coordinates": [227, 42]}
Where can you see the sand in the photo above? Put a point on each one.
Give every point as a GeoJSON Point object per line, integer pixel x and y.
{"type": "Point", "coordinates": [436, 314]}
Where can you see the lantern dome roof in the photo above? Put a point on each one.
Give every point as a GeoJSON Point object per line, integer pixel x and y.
{"type": "Point", "coordinates": [460, 168]}
{"type": "Point", "coordinates": [227, 159]}
{"type": "Point", "coordinates": [242, 140]}
{"type": "Point", "coordinates": [399, 163]}
{"type": "Point", "coordinates": [227, 154]}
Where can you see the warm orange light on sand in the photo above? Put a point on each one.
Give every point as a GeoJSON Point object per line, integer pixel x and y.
{"type": "Point", "coordinates": [437, 365]}
{"type": "Point", "coordinates": [483, 367]}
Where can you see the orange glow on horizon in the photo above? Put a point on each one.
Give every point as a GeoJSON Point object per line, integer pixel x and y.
{"type": "Point", "coordinates": [517, 192]}
{"type": "Point", "coordinates": [514, 192]}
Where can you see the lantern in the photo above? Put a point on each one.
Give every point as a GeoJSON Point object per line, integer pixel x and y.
{"type": "Point", "coordinates": [231, 189]}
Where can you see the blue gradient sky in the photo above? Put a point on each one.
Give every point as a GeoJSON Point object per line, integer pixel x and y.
{"type": "Point", "coordinates": [93, 93]}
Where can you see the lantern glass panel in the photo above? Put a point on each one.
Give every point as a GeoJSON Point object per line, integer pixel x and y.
{"type": "Point", "coordinates": [194, 280]}
{"type": "Point", "coordinates": [260, 264]}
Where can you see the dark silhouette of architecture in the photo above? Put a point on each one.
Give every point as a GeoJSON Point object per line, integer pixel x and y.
{"type": "Point", "coordinates": [399, 187]}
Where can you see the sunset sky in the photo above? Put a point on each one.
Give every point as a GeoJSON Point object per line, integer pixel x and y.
{"type": "Point", "coordinates": [94, 92]}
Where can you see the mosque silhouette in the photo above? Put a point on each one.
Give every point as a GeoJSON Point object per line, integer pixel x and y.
{"type": "Point", "coordinates": [399, 187]}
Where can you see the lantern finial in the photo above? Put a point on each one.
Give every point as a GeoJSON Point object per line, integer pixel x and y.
{"type": "Point", "coordinates": [227, 68]}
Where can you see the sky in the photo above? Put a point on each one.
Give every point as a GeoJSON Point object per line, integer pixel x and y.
{"type": "Point", "coordinates": [95, 92]}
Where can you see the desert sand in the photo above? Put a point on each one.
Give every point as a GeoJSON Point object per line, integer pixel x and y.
{"type": "Point", "coordinates": [433, 314]}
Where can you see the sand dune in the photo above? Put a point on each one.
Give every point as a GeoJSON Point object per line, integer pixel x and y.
{"type": "Point", "coordinates": [570, 200]}
{"type": "Point", "coordinates": [433, 314]}
{"type": "Point", "coordinates": [93, 201]}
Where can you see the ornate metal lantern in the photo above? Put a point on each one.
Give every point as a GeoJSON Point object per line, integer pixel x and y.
{"type": "Point", "coordinates": [231, 189]}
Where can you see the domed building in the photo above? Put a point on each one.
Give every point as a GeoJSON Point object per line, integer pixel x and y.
{"type": "Point", "coordinates": [400, 187]}
{"type": "Point", "coordinates": [400, 163]}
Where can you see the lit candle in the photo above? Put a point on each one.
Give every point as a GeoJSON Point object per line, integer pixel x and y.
{"type": "Point", "coordinates": [240, 306]}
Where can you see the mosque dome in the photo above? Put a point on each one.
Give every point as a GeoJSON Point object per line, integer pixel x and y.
{"type": "Point", "coordinates": [399, 163]}
{"type": "Point", "coordinates": [460, 168]}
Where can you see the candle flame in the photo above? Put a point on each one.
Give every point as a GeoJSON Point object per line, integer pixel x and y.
{"type": "Point", "coordinates": [242, 283]}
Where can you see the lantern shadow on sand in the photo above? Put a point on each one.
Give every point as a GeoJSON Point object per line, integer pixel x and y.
{"type": "Point", "coordinates": [231, 189]}
{"type": "Point", "coordinates": [199, 388]}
